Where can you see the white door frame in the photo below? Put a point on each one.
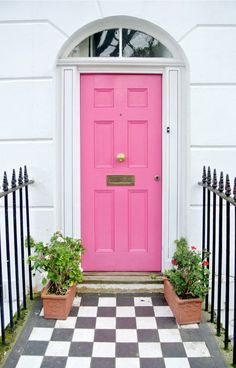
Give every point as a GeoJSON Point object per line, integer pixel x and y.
{"type": "Point", "coordinates": [174, 143]}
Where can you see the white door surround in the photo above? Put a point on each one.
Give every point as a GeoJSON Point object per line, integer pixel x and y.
{"type": "Point", "coordinates": [175, 131]}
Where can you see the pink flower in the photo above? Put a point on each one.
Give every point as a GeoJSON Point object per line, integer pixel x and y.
{"type": "Point", "coordinates": [193, 247]}
{"type": "Point", "coordinates": [205, 263]}
{"type": "Point", "coordinates": [174, 262]}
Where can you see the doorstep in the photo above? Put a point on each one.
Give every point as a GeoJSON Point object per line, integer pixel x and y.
{"type": "Point", "coordinates": [126, 282]}
{"type": "Point", "coordinates": [114, 331]}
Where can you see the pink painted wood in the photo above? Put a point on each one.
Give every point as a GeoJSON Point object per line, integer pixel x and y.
{"type": "Point", "coordinates": [121, 225]}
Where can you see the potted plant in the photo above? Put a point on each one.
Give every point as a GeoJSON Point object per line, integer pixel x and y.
{"type": "Point", "coordinates": [59, 263]}
{"type": "Point", "coordinates": [187, 282]}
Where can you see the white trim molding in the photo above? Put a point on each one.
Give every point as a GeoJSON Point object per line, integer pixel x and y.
{"type": "Point", "coordinates": [175, 136]}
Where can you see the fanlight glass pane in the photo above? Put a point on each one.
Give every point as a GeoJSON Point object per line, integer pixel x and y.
{"type": "Point", "coordinates": [104, 44]}
{"type": "Point", "coordinates": [139, 44]}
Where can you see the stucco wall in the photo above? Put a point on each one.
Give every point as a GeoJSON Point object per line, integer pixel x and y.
{"type": "Point", "coordinates": [31, 36]}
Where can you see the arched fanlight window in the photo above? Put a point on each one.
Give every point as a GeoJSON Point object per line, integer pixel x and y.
{"type": "Point", "coordinates": [120, 42]}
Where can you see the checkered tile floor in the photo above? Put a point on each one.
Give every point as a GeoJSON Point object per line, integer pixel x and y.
{"type": "Point", "coordinates": [121, 331]}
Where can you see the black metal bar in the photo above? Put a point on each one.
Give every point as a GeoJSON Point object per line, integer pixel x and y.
{"type": "Point", "coordinates": [3, 194]}
{"type": "Point", "coordinates": [234, 333]}
{"type": "Point", "coordinates": [5, 188]}
{"type": "Point", "coordinates": [213, 256]}
{"type": "Point", "coordinates": [203, 209]}
{"type": "Point", "coordinates": [13, 184]}
{"type": "Point", "coordinates": [221, 188]}
{"type": "Point", "coordinates": [20, 181]}
{"type": "Point", "coordinates": [227, 267]}
{"type": "Point", "coordinates": [3, 337]}
{"type": "Point", "coordinates": [26, 180]}
{"type": "Point", "coordinates": [208, 224]}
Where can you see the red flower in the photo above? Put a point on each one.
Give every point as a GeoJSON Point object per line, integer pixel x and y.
{"type": "Point", "coordinates": [193, 247]}
{"type": "Point", "coordinates": [174, 262]}
{"type": "Point", "coordinates": [205, 263]}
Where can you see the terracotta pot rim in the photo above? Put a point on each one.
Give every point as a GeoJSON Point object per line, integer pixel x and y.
{"type": "Point", "coordinates": [44, 293]}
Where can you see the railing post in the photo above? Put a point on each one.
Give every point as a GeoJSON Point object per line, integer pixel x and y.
{"type": "Point", "coordinates": [20, 182]}
{"type": "Point", "coordinates": [2, 299]}
{"type": "Point", "coordinates": [13, 185]}
{"type": "Point", "coordinates": [203, 209]}
{"type": "Point", "coordinates": [26, 180]}
{"type": "Point", "coordinates": [221, 188]}
{"type": "Point", "coordinates": [213, 256]}
{"type": "Point", "coordinates": [5, 189]}
{"type": "Point", "coordinates": [234, 332]}
{"type": "Point", "coordinates": [227, 267]}
{"type": "Point", "coordinates": [208, 223]}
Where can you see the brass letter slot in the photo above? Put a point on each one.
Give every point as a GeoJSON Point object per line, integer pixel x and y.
{"type": "Point", "coordinates": [120, 180]}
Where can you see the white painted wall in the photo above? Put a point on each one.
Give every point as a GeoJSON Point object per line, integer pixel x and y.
{"type": "Point", "coordinates": [31, 36]}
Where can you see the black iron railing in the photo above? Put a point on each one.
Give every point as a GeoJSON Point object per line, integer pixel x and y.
{"type": "Point", "coordinates": [218, 239]}
{"type": "Point", "coordinates": [17, 197]}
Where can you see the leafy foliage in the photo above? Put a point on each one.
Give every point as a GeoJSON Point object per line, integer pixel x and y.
{"type": "Point", "coordinates": [190, 274]}
{"type": "Point", "coordinates": [58, 261]}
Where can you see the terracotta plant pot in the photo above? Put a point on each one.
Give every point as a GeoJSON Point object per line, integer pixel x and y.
{"type": "Point", "coordinates": [186, 311]}
{"type": "Point", "coordinates": [57, 306]}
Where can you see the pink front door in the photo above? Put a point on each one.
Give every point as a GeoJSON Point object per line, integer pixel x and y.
{"type": "Point", "coordinates": [121, 224]}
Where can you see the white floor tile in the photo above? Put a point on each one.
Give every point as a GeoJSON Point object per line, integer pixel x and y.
{"type": "Point", "coordinates": [104, 349]}
{"type": "Point", "coordinates": [29, 361]}
{"type": "Point", "coordinates": [177, 363]}
{"type": "Point", "coordinates": [41, 334]}
{"type": "Point", "coordinates": [78, 362]}
{"type": "Point", "coordinates": [146, 323]}
{"type": "Point", "coordinates": [106, 322]}
{"type": "Point", "coordinates": [171, 335]}
{"type": "Point", "coordinates": [142, 301]}
{"type": "Point", "coordinates": [76, 301]}
{"type": "Point", "coordinates": [125, 312]}
{"type": "Point", "coordinates": [196, 349]}
{"type": "Point", "coordinates": [150, 350]}
{"type": "Point", "coordinates": [57, 348]}
{"type": "Point", "coordinates": [127, 363]}
{"type": "Point", "coordinates": [125, 335]}
{"type": "Point", "coordinates": [67, 323]}
{"type": "Point", "coordinates": [162, 311]}
{"type": "Point", "coordinates": [107, 302]}
{"type": "Point", "coordinates": [41, 312]}
{"type": "Point", "coordinates": [186, 327]}
{"type": "Point", "coordinates": [83, 334]}
{"type": "Point", "coordinates": [87, 312]}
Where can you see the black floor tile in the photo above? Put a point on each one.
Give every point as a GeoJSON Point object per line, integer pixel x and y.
{"type": "Point", "coordinates": [144, 311]}
{"type": "Point", "coordinates": [42, 322]}
{"type": "Point", "coordinates": [81, 349]}
{"type": "Point", "coordinates": [105, 335]}
{"type": "Point", "coordinates": [152, 363]}
{"type": "Point", "coordinates": [193, 334]}
{"type": "Point", "coordinates": [125, 322]}
{"type": "Point", "coordinates": [171, 350]}
{"type": "Point", "coordinates": [53, 362]}
{"type": "Point", "coordinates": [106, 312]}
{"type": "Point", "coordinates": [202, 363]}
{"type": "Point", "coordinates": [35, 347]}
{"type": "Point", "coordinates": [62, 334]}
{"type": "Point", "coordinates": [123, 300]}
{"type": "Point", "coordinates": [127, 350]}
{"type": "Point", "coordinates": [89, 300]}
{"type": "Point", "coordinates": [166, 322]}
{"type": "Point", "coordinates": [85, 322]}
{"type": "Point", "coordinates": [103, 363]}
{"type": "Point", "coordinates": [148, 336]}
{"type": "Point", "coordinates": [159, 300]}
{"type": "Point", "coordinates": [74, 312]}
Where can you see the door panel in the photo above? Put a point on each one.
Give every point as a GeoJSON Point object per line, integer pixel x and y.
{"type": "Point", "coordinates": [121, 225]}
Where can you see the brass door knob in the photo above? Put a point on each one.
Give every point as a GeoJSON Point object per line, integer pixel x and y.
{"type": "Point", "coordinates": [120, 157]}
